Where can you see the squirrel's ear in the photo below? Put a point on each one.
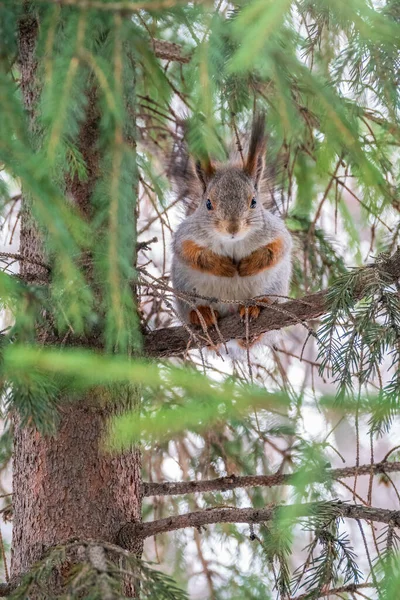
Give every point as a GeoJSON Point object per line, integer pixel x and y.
{"type": "Point", "coordinates": [255, 158]}
{"type": "Point", "coordinates": [204, 170]}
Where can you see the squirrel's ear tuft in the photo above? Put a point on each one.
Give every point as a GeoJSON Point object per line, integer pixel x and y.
{"type": "Point", "coordinates": [205, 170]}
{"type": "Point", "coordinates": [254, 165]}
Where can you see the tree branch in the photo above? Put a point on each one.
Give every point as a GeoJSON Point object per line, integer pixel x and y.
{"type": "Point", "coordinates": [172, 341]}
{"type": "Point", "coordinates": [131, 532]}
{"type": "Point", "coordinates": [352, 587]}
{"type": "Point", "coordinates": [125, 7]}
{"type": "Point", "coordinates": [223, 484]}
{"type": "Point", "coordinates": [145, 245]}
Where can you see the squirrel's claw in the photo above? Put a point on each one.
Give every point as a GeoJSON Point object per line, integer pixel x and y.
{"type": "Point", "coordinates": [209, 316]}
{"type": "Point", "coordinates": [252, 311]}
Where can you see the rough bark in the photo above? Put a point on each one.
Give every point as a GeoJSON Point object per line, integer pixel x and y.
{"type": "Point", "coordinates": [66, 486]}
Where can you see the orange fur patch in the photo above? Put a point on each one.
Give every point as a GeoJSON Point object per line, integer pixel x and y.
{"type": "Point", "coordinates": [210, 316]}
{"type": "Point", "coordinates": [261, 259]}
{"type": "Point", "coordinates": [253, 310]}
{"type": "Point", "coordinates": [207, 261]}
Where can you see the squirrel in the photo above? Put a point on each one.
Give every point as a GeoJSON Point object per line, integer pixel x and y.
{"type": "Point", "coordinates": [229, 246]}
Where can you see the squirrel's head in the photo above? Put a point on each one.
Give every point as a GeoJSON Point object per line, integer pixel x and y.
{"type": "Point", "coordinates": [230, 200]}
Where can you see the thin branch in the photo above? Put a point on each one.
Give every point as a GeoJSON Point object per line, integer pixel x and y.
{"type": "Point", "coordinates": [223, 484]}
{"type": "Point", "coordinates": [130, 532]}
{"type": "Point", "coordinates": [125, 6]}
{"type": "Point", "coordinates": [353, 587]}
{"type": "Point", "coordinates": [145, 245]}
{"type": "Point", "coordinates": [172, 341]}
{"type": "Point", "coordinates": [20, 258]}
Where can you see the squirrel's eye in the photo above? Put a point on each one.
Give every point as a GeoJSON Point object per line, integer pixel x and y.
{"type": "Point", "coordinates": [209, 205]}
{"type": "Point", "coordinates": [253, 203]}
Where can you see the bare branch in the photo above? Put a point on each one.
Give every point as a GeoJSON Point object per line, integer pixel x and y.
{"type": "Point", "coordinates": [145, 245]}
{"type": "Point", "coordinates": [223, 484]}
{"type": "Point", "coordinates": [339, 590]}
{"type": "Point", "coordinates": [172, 341]}
{"type": "Point", "coordinates": [20, 258]}
{"type": "Point", "coordinates": [123, 6]}
{"type": "Point", "coordinates": [131, 532]}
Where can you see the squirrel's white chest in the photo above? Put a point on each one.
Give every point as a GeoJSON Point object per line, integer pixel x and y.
{"type": "Point", "coordinates": [235, 289]}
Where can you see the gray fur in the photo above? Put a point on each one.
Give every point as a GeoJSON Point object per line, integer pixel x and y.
{"type": "Point", "coordinates": [232, 188]}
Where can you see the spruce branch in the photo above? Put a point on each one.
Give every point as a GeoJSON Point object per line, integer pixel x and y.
{"type": "Point", "coordinates": [223, 484]}
{"type": "Point", "coordinates": [335, 591]}
{"type": "Point", "coordinates": [19, 258]}
{"type": "Point", "coordinates": [146, 245]}
{"type": "Point", "coordinates": [130, 532]}
{"type": "Point", "coordinates": [172, 341]}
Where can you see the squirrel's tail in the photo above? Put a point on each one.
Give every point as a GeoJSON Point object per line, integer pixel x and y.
{"type": "Point", "coordinates": [181, 170]}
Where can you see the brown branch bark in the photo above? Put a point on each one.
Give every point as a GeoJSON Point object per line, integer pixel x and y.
{"type": "Point", "coordinates": [134, 531]}
{"type": "Point", "coordinates": [352, 587]}
{"type": "Point", "coordinates": [124, 7]}
{"type": "Point", "coordinates": [223, 484]}
{"type": "Point", "coordinates": [172, 341]}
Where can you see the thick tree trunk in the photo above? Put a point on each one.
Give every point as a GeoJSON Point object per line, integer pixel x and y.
{"type": "Point", "coordinates": [66, 486]}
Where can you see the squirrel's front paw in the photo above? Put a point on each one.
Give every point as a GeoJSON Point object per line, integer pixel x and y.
{"type": "Point", "coordinates": [246, 267]}
{"type": "Point", "coordinates": [209, 315]}
{"type": "Point", "coordinates": [252, 312]}
{"type": "Point", "coordinates": [259, 260]}
{"type": "Point", "coordinates": [225, 267]}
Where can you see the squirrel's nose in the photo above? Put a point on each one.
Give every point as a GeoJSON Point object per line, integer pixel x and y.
{"type": "Point", "coordinates": [233, 227]}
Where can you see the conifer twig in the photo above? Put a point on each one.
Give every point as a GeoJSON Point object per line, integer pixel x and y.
{"type": "Point", "coordinates": [20, 258]}
{"type": "Point", "coordinates": [353, 587]}
{"type": "Point", "coordinates": [145, 245]}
